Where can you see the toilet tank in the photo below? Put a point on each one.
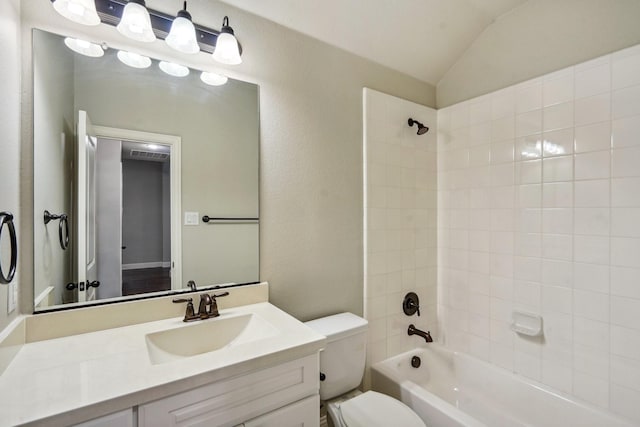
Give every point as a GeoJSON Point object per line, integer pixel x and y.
{"type": "Point", "coordinates": [342, 360]}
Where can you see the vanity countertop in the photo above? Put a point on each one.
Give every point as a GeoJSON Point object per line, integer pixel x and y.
{"type": "Point", "coordinates": [66, 380]}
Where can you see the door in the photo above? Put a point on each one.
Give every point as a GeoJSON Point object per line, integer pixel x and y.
{"type": "Point", "coordinates": [87, 267]}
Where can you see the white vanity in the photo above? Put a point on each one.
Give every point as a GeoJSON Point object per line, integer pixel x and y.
{"type": "Point", "coordinates": [254, 366]}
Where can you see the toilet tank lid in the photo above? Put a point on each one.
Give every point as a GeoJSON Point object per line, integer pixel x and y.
{"type": "Point", "coordinates": [338, 326]}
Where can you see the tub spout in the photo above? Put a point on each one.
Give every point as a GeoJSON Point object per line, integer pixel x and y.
{"type": "Point", "coordinates": [415, 331]}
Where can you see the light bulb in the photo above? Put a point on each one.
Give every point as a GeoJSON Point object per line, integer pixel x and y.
{"type": "Point", "coordinates": [80, 11]}
{"type": "Point", "coordinates": [133, 59]}
{"type": "Point", "coordinates": [227, 50]}
{"type": "Point", "coordinates": [84, 47]}
{"type": "Point", "coordinates": [174, 69]}
{"type": "Point", "coordinates": [213, 79]}
{"type": "Point", "coordinates": [182, 36]}
{"type": "Point", "coordinates": [136, 22]}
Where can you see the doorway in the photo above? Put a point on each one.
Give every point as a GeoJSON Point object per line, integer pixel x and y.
{"type": "Point", "coordinates": [139, 195]}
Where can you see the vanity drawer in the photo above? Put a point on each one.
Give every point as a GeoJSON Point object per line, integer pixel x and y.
{"type": "Point", "coordinates": [304, 413]}
{"type": "Point", "coordinates": [233, 401]}
{"type": "Point", "coordinates": [118, 419]}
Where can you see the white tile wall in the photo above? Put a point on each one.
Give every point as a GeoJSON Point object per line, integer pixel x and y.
{"type": "Point", "coordinates": [400, 217]}
{"type": "Point", "coordinates": [539, 209]}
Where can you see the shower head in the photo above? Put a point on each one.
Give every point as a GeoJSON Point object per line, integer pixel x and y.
{"type": "Point", "coordinates": [422, 129]}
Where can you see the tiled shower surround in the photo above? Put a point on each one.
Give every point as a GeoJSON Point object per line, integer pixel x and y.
{"type": "Point", "coordinates": [539, 210]}
{"type": "Point", "coordinates": [400, 222]}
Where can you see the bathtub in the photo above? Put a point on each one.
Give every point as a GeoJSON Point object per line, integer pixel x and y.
{"type": "Point", "coordinates": [451, 389]}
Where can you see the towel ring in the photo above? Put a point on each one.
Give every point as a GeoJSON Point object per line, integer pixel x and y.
{"type": "Point", "coordinates": [7, 218]}
{"type": "Point", "coordinates": [63, 227]}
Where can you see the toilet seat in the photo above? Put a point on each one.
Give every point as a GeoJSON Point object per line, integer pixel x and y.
{"type": "Point", "coordinates": [376, 409]}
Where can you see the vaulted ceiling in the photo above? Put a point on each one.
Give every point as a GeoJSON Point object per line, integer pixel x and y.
{"type": "Point", "coordinates": [421, 38]}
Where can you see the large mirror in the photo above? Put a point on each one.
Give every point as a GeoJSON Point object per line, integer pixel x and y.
{"type": "Point", "coordinates": [127, 162]}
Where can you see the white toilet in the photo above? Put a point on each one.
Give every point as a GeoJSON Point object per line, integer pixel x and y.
{"type": "Point", "coordinates": [341, 369]}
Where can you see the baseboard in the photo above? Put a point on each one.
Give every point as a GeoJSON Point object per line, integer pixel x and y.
{"type": "Point", "coordinates": [141, 265]}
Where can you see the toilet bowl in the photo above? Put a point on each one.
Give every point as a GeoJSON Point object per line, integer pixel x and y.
{"type": "Point", "coordinates": [342, 365]}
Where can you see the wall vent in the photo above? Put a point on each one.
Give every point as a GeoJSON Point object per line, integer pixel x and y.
{"type": "Point", "coordinates": [148, 155]}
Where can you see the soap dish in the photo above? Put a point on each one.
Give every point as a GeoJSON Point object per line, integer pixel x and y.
{"type": "Point", "coordinates": [526, 323]}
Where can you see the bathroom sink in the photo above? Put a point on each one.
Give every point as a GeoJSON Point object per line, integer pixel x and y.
{"type": "Point", "coordinates": [206, 336]}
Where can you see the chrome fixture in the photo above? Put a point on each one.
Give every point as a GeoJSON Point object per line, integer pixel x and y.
{"type": "Point", "coordinates": [415, 331]}
{"type": "Point", "coordinates": [192, 285]}
{"type": "Point", "coordinates": [411, 304]}
{"type": "Point", "coordinates": [422, 129]}
{"type": "Point", "coordinates": [207, 308]}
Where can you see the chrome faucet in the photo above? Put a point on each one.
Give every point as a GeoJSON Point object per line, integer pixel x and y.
{"type": "Point", "coordinates": [415, 331]}
{"type": "Point", "coordinates": [207, 308]}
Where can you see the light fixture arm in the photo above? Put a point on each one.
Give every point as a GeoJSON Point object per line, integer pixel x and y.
{"type": "Point", "coordinates": [225, 26]}
{"type": "Point", "coordinates": [183, 13]}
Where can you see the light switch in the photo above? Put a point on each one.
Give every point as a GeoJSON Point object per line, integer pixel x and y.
{"type": "Point", "coordinates": [191, 218]}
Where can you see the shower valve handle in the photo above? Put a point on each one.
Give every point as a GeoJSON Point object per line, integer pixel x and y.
{"type": "Point", "coordinates": [411, 304]}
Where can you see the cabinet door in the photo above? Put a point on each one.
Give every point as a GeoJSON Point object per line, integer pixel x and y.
{"type": "Point", "coordinates": [229, 402]}
{"type": "Point", "coordinates": [117, 419]}
{"type": "Point", "coordinates": [304, 413]}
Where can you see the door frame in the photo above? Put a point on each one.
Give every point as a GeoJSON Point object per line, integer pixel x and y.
{"type": "Point", "coordinates": [175, 182]}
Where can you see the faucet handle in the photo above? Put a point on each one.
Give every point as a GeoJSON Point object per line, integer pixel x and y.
{"type": "Point", "coordinates": [189, 313]}
{"type": "Point", "coordinates": [223, 294]}
{"type": "Point", "coordinates": [214, 304]}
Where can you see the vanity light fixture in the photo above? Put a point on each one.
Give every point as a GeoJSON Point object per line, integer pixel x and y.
{"type": "Point", "coordinates": [80, 11]}
{"type": "Point", "coordinates": [182, 36]}
{"type": "Point", "coordinates": [213, 79]}
{"type": "Point", "coordinates": [84, 47]}
{"type": "Point", "coordinates": [227, 49]}
{"type": "Point", "coordinates": [136, 22]}
{"type": "Point", "coordinates": [174, 69]}
{"type": "Point", "coordinates": [133, 59]}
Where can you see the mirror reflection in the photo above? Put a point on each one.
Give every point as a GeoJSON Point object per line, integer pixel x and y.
{"type": "Point", "coordinates": [127, 162]}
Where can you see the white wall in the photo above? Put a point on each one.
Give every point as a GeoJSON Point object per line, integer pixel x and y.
{"type": "Point", "coordinates": [554, 233]}
{"type": "Point", "coordinates": [400, 222]}
{"type": "Point", "coordinates": [539, 37]}
{"type": "Point", "coordinates": [10, 131]}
